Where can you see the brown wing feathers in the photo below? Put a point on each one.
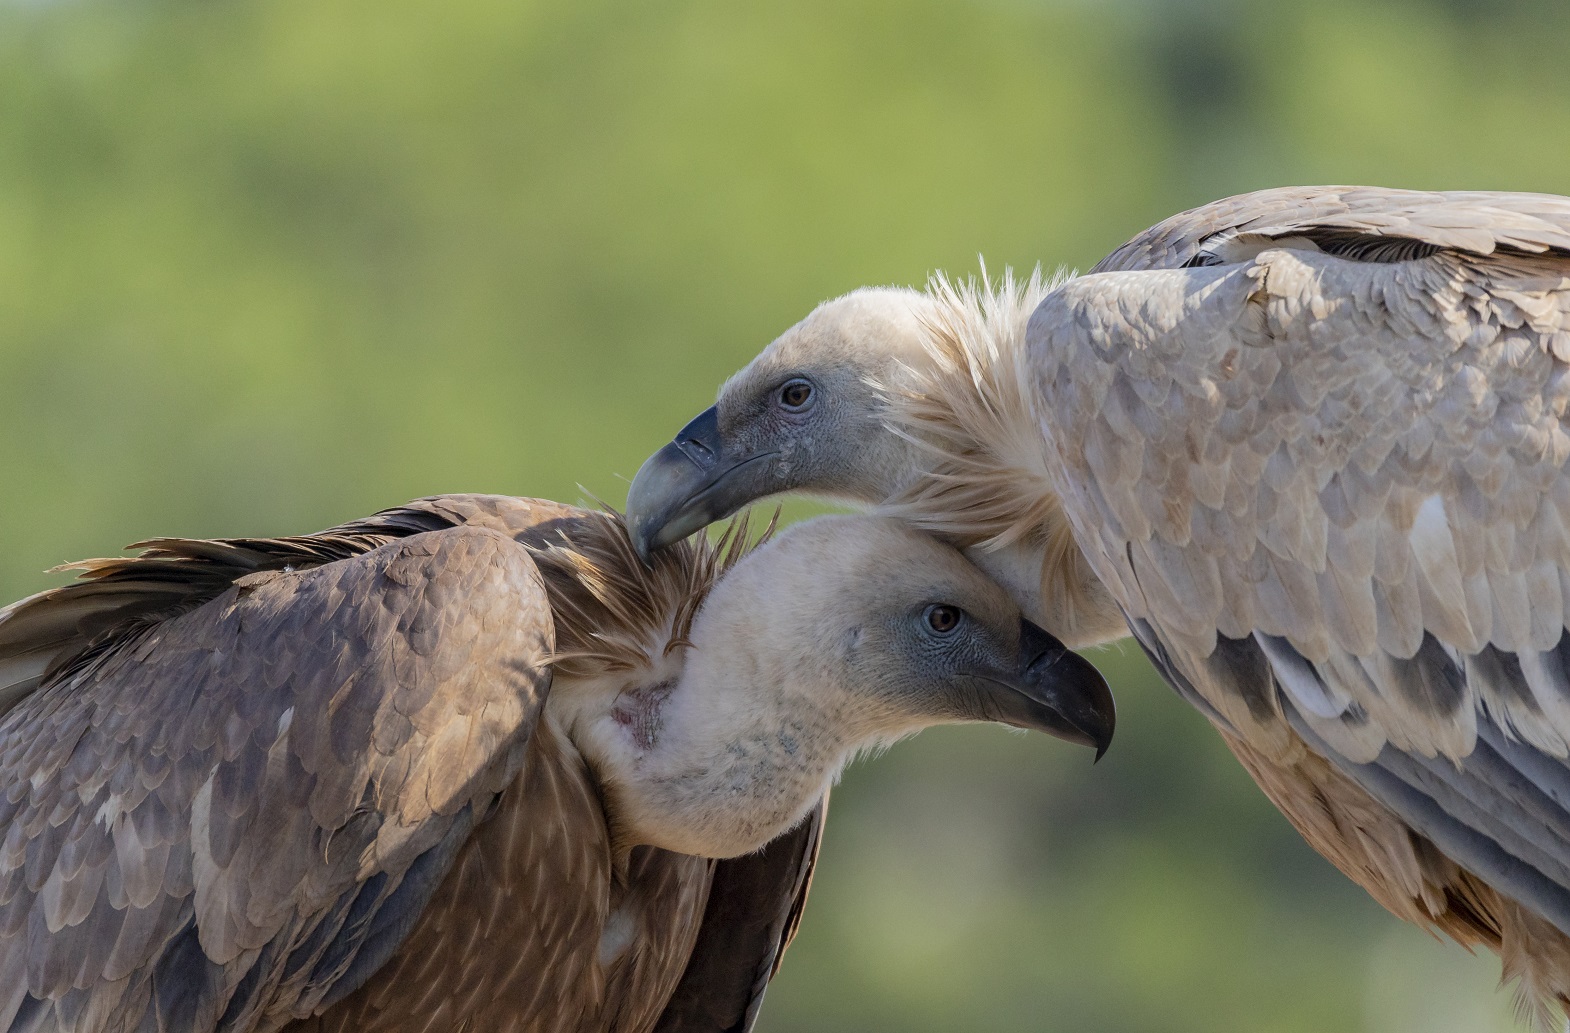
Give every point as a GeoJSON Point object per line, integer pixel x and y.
{"type": "Point", "coordinates": [114, 597]}
{"type": "Point", "coordinates": [753, 912]}
{"type": "Point", "coordinates": [211, 770]}
{"type": "Point", "coordinates": [254, 781]}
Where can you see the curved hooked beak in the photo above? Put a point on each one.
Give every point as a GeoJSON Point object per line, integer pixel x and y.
{"type": "Point", "coordinates": [1054, 690]}
{"type": "Point", "coordinates": [689, 484]}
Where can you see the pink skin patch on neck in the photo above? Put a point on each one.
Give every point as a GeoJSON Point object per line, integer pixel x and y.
{"type": "Point", "coordinates": [640, 711]}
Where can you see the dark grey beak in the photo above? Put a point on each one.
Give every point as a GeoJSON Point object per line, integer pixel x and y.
{"type": "Point", "coordinates": [689, 484]}
{"type": "Point", "coordinates": [1054, 690]}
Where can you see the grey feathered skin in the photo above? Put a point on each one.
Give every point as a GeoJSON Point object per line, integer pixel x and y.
{"type": "Point", "coordinates": [304, 783]}
{"type": "Point", "coordinates": [1313, 441]}
{"type": "Point", "coordinates": [1310, 446]}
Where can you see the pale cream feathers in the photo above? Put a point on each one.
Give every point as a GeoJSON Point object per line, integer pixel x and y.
{"type": "Point", "coordinates": [983, 481]}
{"type": "Point", "coordinates": [1312, 443]}
{"type": "Point", "coordinates": [1419, 491]}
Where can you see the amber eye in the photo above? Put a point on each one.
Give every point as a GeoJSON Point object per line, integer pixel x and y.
{"type": "Point", "coordinates": [943, 618]}
{"type": "Point", "coordinates": [796, 395]}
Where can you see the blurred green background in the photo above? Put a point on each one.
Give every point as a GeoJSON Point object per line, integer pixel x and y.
{"type": "Point", "coordinates": [265, 267]}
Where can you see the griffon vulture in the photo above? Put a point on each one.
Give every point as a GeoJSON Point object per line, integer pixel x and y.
{"type": "Point", "coordinates": [464, 765]}
{"type": "Point", "coordinates": [1310, 445]}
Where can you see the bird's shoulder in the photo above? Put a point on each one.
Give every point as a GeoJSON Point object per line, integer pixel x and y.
{"type": "Point", "coordinates": [1292, 417]}
{"type": "Point", "coordinates": [1314, 443]}
{"type": "Point", "coordinates": [118, 598]}
{"type": "Point", "coordinates": [296, 729]}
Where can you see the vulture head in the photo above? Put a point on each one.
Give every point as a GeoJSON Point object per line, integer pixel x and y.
{"type": "Point", "coordinates": [910, 401]}
{"type": "Point", "coordinates": [808, 414]}
{"type": "Point", "coordinates": [842, 634]}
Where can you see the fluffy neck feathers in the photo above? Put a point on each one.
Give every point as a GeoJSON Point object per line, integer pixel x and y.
{"type": "Point", "coordinates": [985, 482]}
{"type": "Point", "coordinates": [613, 613]}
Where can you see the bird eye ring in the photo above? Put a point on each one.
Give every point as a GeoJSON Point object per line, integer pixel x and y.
{"type": "Point", "coordinates": [943, 618]}
{"type": "Point", "coordinates": [796, 395]}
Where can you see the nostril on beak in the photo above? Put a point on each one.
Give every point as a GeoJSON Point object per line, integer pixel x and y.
{"type": "Point", "coordinates": [697, 451]}
{"type": "Point", "coordinates": [700, 441]}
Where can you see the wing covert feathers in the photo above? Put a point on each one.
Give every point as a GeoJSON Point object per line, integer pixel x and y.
{"type": "Point", "coordinates": [223, 781]}
{"type": "Point", "coordinates": [1354, 221]}
{"type": "Point", "coordinates": [513, 941]}
{"type": "Point", "coordinates": [1352, 457]}
{"type": "Point", "coordinates": [1313, 441]}
{"type": "Point", "coordinates": [116, 597]}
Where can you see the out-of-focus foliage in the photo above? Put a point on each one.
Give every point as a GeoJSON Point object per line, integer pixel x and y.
{"type": "Point", "coordinates": [264, 267]}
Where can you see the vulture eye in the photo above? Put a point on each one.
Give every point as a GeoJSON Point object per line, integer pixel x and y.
{"type": "Point", "coordinates": [943, 618]}
{"type": "Point", "coordinates": [796, 395]}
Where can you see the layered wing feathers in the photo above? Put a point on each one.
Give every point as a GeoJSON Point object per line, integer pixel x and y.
{"type": "Point", "coordinates": [1350, 457]}
{"type": "Point", "coordinates": [1355, 221]}
{"type": "Point", "coordinates": [1314, 442]}
{"type": "Point", "coordinates": [208, 817]}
